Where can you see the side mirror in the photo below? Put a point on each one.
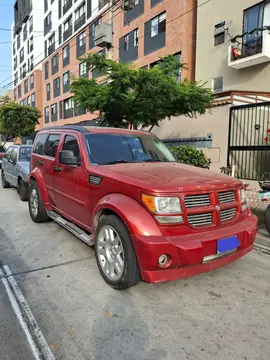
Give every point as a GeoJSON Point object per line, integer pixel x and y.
{"type": "Point", "coordinates": [12, 161]}
{"type": "Point", "coordinates": [67, 157]}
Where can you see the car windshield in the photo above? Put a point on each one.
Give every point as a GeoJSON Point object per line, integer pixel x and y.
{"type": "Point", "coordinates": [112, 148]}
{"type": "Point", "coordinates": [25, 153]}
{"type": "Point", "coordinates": [2, 149]}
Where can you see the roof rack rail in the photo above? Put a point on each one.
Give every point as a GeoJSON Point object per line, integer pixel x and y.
{"type": "Point", "coordinates": [81, 129]}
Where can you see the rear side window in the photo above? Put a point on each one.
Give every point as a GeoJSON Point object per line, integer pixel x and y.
{"type": "Point", "coordinates": [52, 145]}
{"type": "Point", "coordinates": [71, 143]}
{"type": "Point", "coordinates": [39, 144]}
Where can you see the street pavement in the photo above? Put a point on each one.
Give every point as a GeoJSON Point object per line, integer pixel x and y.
{"type": "Point", "coordinates": [222, 315]}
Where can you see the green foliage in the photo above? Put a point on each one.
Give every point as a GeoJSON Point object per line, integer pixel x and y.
{"type": "Point", "coordinates": [17, 120]}
{"type": "Point", "coordinates": [137, 96]}
{"type": "Point", "coordinates": [191, 156]}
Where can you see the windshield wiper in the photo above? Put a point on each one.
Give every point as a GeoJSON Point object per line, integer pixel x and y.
{"type": "Point", "coordinates": [117, 162]}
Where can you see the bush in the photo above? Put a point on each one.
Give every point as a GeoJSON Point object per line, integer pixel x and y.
{"type": "Point", "coordinates": [191, 156]}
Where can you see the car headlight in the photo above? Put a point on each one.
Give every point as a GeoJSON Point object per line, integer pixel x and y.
{"type": "Point", "coordinates": [243, 196]}
{"type": "Point", "coordinates": [162, 204]}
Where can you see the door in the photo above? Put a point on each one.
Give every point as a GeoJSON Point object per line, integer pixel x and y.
{"type": "Point", "coordinates": [6, 165]}
{"type": "Point", "coordinates": [71, 184]}
{"type": "Point", "coordinates": [11, 171]}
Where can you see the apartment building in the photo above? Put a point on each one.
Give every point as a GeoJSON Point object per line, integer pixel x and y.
{"type": "Point", "coordinates": [28, 53]}
{"type": "Point", "coordinates": [232, 40]}
{"type": "Point", "coordinates": [138, 31]}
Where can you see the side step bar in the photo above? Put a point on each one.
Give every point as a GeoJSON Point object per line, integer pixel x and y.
{"type": "Point", "coordinates": [74, 229]}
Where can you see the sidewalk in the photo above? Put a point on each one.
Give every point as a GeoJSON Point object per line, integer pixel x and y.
{"type": "Point", "coordinates": [262, 242]}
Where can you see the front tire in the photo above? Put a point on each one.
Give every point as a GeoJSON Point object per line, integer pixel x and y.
{"type": "Point", "coordinates": [267, 219]}
{"type": "Point", "coordinates": [37, 210]}
{"type": "Point", "coordinates": [115, 254]}
{"type": "Point", "coordinates": [5, 184]}
{"type": "Point", "coordinates": [23, 190]}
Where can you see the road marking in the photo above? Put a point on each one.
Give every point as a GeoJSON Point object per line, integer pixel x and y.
{"type": "Point", "coordinates": [34, 335]}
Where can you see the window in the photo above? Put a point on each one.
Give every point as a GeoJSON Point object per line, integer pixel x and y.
{"type": "Point", "coordinates": [135, 38]}
{"type": "Point", "coordinates": [66, 55]}
{"type": "Point", "coordinates": [25, 153]}
{"type": "Point", "coordinates": [30, 24]}
{"type": "Point", "coordinates": [219, 34]}
{"type": "Point", "coordinates": [55, 61]}
{"type": "Point", "coordinates": [71, 144]}
{"type": "Point", "coordinates": [45, 5]}
{"type": "Point", "coordinates": [92, 32]}
{"type": "Point", "coordinates": [81, 39]}
{"type": "Point", "coordinates": [33, 100]}
{"type": "Point", "coordinates": [31, 63]}
{"type": "Point", "coordinates": [66, 81]}
{"type": "Point", "coordinates": [24, 71]}
{"type": "Point", "coordinates": [19, 91]}
{"type": "Point", "coordinates": [68, 108]}
{"type": "Point", "coordinates": [108, 148]}
{"type": "Point", "coordinates": [56, 87]}
{"type": "Point", "coordinates": [126, 42]}
{"type": "Point", "coordinates": [52, 40]}
{"type": "Point", "coordinates": [253, 19]}
{"type": "Point", "coordinates": [68, 24]}
{"type": "Point", "coordinates": [218, 84]}
{"type": "Point", "coordinates": [32, 82]}
{"type": "Point", "coordinates": [15, 60]}
{"type": "Point", "coordinates": [21, 55]}
{"type": "Point", "coordinates": [48, 19]}
{"type": "Point", "coordinates": [54, 112]}
{"type": "Point", "coordinates": [48, 92]}
{"type": "Point", "coordinates": [80, 12]}
{"type": "Point", "coordinates": [30, 44]}
{"type": "Point", "coordinates": [26, 86]}
{"type": "Point", "coordinates": [29, 101]}
{"type": "Point", "coordinates": [39, 143]}
{"type": "Point", "coordinates": [158, 25]}
{"type": "Point", "coordinates": [83, 69]}
{"type": "Point", "coordinates": [14, 155]}
{"type": "Point", "coordinates": [52, 145]}
{"type": "Point", "coordinates": [46, 70]}
{"type": "Point", "coordinates": [25, 32]}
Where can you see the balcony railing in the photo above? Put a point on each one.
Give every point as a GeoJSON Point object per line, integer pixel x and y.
{"type": "Point", "coordinates": [252, 52]}
{"type": "Point", "coordinates": [67, 6]}
{"type": "Point", "coordinates": [67, 34]}
{"type": "Point", "coordinates": [79, 22]}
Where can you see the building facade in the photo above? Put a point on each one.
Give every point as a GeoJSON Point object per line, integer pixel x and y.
{"type": "Point", "coordinates": [234, 37]}
{"type": "Point", "coordinates": [137, 31]}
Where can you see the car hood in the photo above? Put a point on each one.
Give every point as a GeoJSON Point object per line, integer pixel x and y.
{"type": "Point", "coordinates": [24, 166]}
{"type": "Point", "coordinates": [169, 176]}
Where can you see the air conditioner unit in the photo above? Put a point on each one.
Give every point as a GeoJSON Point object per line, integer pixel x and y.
{"type": "Point", "coordinates": [103, 35]}
{"type": "Point", "coordinates": [128, 4]}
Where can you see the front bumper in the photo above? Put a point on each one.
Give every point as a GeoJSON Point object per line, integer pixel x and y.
{"type": "Point", "coordinates": [188, 251]}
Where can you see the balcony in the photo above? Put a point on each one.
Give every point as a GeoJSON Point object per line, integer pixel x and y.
{"type": "Point", "coordinates": [67, 34]}
{"type": "Point", "coordinates": [253, 52]}
{"type": "Point", "coordinates": [79, 22]}
{"type": "Point", "coordinates": [67, 6]}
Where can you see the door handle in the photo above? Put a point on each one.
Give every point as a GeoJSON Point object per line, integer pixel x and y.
{"type": "Point", "coordinates": [40, 162]}
{"type": "Point", "coordinates": [57, 168]}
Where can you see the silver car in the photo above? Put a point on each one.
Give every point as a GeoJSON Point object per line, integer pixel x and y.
{"type": "Point", "coordinates": [15, 169]}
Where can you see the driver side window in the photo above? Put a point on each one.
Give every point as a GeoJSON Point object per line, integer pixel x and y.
{"type": "Point", "coordinates": [71, 144]}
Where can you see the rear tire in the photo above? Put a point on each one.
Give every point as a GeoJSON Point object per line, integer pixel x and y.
{"type": "Point", "coordinates": [115, 254]}
{"type": "Point", "coordinates": [37, 210]}
{"type": "Point", "coordinates": [23, 190]}
{"type": "Point", "coordinates": [5, 184]}
{"type": "Point", "coordinates": [267, 219]}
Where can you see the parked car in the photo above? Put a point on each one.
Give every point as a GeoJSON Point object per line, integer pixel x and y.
{"type": "Point", "coordinates": [147, 216]}
{"type": "Point", "coordinates": [15, 169]}
{"type": "Point", "coordinates": [2, 153]}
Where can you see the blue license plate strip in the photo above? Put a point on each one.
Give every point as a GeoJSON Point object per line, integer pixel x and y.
{"type": "Point", "coordinates": [228, 244]}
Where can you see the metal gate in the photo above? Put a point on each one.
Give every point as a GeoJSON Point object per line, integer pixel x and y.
{"type": "Point", "coordinates": [247, 149]}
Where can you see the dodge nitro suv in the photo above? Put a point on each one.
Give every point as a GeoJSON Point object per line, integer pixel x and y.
{"type": "Point", "coordinates": [148, 217]}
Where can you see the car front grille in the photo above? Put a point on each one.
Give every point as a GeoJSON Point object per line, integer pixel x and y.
{"type": "Point", "coordinates": [203, 219]}
{"type": "Point", "coordinates": [226, 197]}
{"type": "Point", "coordinates": [228, 214]}
{"type": "Point", "coordinates": [197, 200]}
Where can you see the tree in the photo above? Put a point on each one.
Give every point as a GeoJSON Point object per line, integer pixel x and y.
{"type": "Point", "coordinates": [17, 120]}
{"type": "Point", "coordinates": [136, 96]}
{"type": "Point", "coordinates": [4, 100]}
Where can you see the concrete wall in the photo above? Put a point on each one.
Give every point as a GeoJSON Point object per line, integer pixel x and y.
{"type": "Point", "coordinates": [215, 123]}
{"type": "Point", "coordinates": [212, 61]}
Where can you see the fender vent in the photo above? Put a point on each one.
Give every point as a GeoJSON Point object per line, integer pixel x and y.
{"type": "Point", "coordinates": [95, 180]}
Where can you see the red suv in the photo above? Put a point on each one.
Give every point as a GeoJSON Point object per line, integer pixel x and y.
{"type": "Point", "coordinates": [148, 216]}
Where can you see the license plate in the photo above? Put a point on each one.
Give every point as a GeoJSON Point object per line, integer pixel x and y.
{"type": "Point", "coordinates": [228, 244]}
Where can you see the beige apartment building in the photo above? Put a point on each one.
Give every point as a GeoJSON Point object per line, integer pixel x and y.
{"type": "Point", "coordinates": [233, 59]}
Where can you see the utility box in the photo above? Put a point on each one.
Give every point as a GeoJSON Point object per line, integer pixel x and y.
{"type": "Point", "coordinates": [103, 35]}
